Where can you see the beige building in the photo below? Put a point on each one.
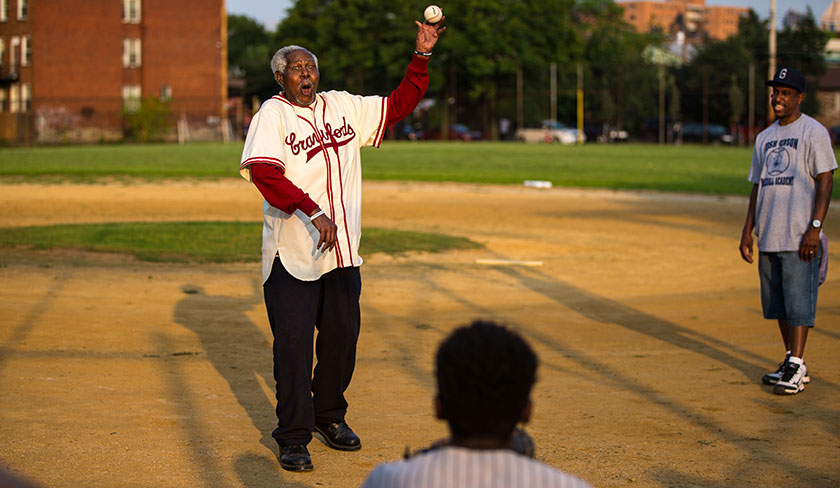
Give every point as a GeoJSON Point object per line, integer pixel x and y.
{"type": "Point", "coordinates": [693, 17]}
{"type": "Point", "coordinates": [830, 19]}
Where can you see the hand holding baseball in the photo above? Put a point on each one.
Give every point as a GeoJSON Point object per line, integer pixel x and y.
{"type": "Point", "coordinates": [433, 14]}
{"type": "Point", "coordinates": [428, 32]}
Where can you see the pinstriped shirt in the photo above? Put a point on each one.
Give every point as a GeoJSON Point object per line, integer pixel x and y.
{"type": "Point", "coordinates": [458, 467]}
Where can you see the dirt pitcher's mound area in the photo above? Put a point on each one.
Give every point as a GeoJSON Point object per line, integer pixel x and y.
{"type": "Point", "coordinates": [119, 373]}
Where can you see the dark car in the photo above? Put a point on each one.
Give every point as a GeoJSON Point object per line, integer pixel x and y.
{"type": "Point", "coordinates": [693, 132]}
{"type": "Point", "coordinates": [604, 133]}
{"type": "Point", "coordinates": [457, 132]}
{"type": "Point", "coordinates": [834, 132]}
{"type": "Point", "coordinates": [462, 132]}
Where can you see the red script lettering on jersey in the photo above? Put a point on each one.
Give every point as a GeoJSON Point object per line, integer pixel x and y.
{"type": "Point", "coordinates": [333, 138]}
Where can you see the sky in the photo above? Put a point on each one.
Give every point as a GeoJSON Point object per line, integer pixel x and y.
{"type": "Point", "coordinates": [270, 12]}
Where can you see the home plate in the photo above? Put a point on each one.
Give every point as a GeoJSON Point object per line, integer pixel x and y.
{"type": "Point", "coordinates": [508, 262]}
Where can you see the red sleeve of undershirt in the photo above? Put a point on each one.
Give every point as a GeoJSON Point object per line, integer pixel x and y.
{"type": "Point", "coordinates": [279, 191]}
{"type": "Point", "coordinates": [407, 95]}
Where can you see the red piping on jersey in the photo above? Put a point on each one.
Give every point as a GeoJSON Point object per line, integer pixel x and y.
{"type": "Point", "coordinates": [340, 191]}
{"type": "Point", "coordinates": [381, 131]}
{"type": "Point", "coordinates": [338, 257]}
{"type": "Point", "coordinates": [263, 159]}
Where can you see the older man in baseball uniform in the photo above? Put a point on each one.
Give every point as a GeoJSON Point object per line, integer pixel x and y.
{"type": "Point", "coordinates": [792, 174]}
{"type": "Point", "coordinates": [303, 154]}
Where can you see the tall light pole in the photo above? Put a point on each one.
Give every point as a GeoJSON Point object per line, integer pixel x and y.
{"type": "Point", "coordinates": [772, 63]}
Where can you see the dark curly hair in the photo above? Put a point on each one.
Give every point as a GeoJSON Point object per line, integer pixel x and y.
{"type": "Point", "coordinates": [484, 374]}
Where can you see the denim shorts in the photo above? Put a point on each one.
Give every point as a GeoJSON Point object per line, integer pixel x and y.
{"type": "Point", "coordinates": [789, 287]}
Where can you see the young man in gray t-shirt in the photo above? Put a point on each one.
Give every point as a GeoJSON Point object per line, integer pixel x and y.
{"type": "Point", "coordinates": [792, 174]}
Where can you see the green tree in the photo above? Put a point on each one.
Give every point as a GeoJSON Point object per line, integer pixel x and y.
{"type": "Point", "coordinates": [249, 57]}
{"type": "Point", "coordinates": [149, 122]}
{"type": "Point", "coordinates": [620, 86]}
{"type": "Point", "coordinates": [802, 47]}
{"type": "Point", "coordinates": [718, 60]}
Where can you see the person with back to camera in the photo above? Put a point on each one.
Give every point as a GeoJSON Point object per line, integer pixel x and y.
{"type": "Point", "coordinates": [303, 154]}
{"type": "Point", "coordinates": [792, 172]}
{"type": "Point", "coordinates": [484, 374]}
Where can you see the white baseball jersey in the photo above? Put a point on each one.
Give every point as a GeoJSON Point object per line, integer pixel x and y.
{"type": "Point", "coordinates": [318, 147]}
{"type": "Point", "coordinates": [457, 467]}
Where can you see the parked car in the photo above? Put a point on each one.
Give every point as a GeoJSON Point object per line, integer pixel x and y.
{"type": "Point", "coordinates": [834, 132]}
{"type": "Point", "coordinates": [693, 132]}
{"type": "Point", "coordinates": [457, 132]}
{"type": "Point", "coordinates": [410, 133]}
{"type": "Point", "coordinates": [550, 131]}
{"type": "Point", "coordinates": [464, 133]}
{"type": "Point", "coordinates": [604, 133]}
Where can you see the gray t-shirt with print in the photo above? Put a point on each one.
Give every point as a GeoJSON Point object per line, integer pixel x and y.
{"type": "Point", "coordinates": [785, 164]}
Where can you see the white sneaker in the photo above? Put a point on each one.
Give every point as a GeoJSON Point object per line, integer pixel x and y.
{"type": "Point", "coordinates": [773, 378]}
{"type": "Point", "coordinates": [792, 380]}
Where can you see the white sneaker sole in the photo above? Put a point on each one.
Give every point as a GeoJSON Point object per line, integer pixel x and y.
{"type": "Point", "coordinates": [788, 389]}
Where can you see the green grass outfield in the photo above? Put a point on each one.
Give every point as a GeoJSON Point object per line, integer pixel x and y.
{"type": "Point", "coordinates": [687, 168]}
{"type": "Point", "coordinates": [202, 242]}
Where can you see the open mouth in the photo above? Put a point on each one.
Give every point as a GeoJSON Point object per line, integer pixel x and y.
{"type": "Point", "coordinates": [306, 89]}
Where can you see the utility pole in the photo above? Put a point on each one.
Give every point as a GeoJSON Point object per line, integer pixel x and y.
{"type": "Point", "coordinates": [661, 73]}
{"type": "Point", "coordinates": [580, 134]}
{"type": "Point", "coordinates": [751, 116]}
{"type": "Point", "coordinates": [553, 109]}
{"type": "Point", "coordinates": [771, 116]}
{"type": "Point", "coordinates": [705, 103]}
{"type": "Point", "coordinates": [520, 110]}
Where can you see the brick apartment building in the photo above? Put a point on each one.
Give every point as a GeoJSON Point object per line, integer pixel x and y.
{"type": "Point", "coordinates": [693, 17]}
{"type": "Point", "coordinates": [69, 69]}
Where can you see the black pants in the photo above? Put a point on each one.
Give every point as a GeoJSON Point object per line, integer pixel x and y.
{"type": "Point", "coordinates": [295, 308]}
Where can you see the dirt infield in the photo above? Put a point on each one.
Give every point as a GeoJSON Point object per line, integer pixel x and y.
{"type": "Point", "coordinates": [118, 373]}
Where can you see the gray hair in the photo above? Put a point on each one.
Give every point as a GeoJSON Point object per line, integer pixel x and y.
{"type": "Point", "coordinates": [278, 61]}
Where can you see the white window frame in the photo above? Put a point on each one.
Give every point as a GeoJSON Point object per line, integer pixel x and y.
{"type": "Point", "coordinates": [132, 53]}
{"type": "Point", "coordinates": [4, 10]}
{"type": "Point", "coordinates": [14, 98]}
{"type": "Point", "coordinates": [22, 9]}
{"type": "Point", "coordinates": [131, 98]}
{"type": "Point", "coordinates": [25, 97]}
{"type": "Point", "coordinates": [13, 48]}
{"type": "Point", "coordinates": [26, 50]}
{"type": "Point", "coordinates": [165, 93]}
{"type": "Point", "coordinates": [131, 11]}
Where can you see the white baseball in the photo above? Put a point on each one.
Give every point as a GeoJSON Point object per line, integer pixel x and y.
{"type": "Point", "coordinates": [433, 14]}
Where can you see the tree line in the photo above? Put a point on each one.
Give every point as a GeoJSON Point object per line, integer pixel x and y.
{"type": "Point", "coordinates": [495, 61]}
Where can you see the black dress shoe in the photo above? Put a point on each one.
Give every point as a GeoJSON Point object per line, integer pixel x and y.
{"type": "Point", "coordinates": [295, 458]}
{"type": "Point", "coordinates": [339, 436]}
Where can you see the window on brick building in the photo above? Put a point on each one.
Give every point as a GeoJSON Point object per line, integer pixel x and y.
{"type": "Point", "coordinates": [23, 9]}
{"type": "Point", "coordinates": [25, 97]}
{"type": "Point", "coordinates": [4, 10]}
{"type": "Point", "coordinates": [131, 98]}
{"type": "Point", "coordinates": [13, 49]}
{"type": "Point", "coordinates": [2, 51]}
{"type": "Point", "coordinates": [14, 98]}
{"type": "Point", "coordinates": [131, 11]}
{"type": "Point", "coordinates": [2, 99]}
{"type": "Point", "coordinates": [131, 53]}
{"type": "Point", "coordinates": [26, 51]}
{"type": "Point", "coordinates": [165, 93]}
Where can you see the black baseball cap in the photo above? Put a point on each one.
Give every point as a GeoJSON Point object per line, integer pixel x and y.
{"type": "Point", "coordinates": [788, 77]}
